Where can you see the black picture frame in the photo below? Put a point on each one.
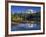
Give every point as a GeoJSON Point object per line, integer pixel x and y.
{"type": "Point", "coordinates": [6, 18]}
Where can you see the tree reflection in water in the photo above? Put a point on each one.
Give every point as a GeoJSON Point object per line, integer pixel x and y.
{"type": "Point", "coordinates": [25, 26]}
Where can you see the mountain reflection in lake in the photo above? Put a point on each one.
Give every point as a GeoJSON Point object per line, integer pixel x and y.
{"type": "Point", "coordinates": [25, 26]}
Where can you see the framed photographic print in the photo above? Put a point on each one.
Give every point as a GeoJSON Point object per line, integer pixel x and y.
{"type": "Point", "coordinates": [24, 18]}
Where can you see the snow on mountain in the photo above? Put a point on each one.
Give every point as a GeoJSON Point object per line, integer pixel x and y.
{"type": "Point", "coordinates": [30, 11]}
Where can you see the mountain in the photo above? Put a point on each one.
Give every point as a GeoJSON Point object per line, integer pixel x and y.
{"type": "Point", "coordinates": [28, 11]}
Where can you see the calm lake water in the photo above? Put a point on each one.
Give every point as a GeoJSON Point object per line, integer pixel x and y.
{"type": "Point", "coordinates": [25, 26]}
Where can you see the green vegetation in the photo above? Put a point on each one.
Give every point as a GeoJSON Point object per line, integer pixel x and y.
{"type": "Point", "coordinates": [22, 17]}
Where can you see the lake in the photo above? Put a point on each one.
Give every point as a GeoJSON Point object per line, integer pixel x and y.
{"type": "Point", "coordinates": [25, 26]}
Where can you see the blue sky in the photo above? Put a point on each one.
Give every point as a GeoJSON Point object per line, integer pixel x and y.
{"type": "Point", "coordinates": [18, 9]}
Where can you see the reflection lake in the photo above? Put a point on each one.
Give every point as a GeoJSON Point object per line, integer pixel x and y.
{"type": "Point", "coordinates": [25, 26]}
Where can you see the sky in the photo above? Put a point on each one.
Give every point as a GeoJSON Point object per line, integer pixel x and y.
{"type": "Point", "coordinates": [19, 9]}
